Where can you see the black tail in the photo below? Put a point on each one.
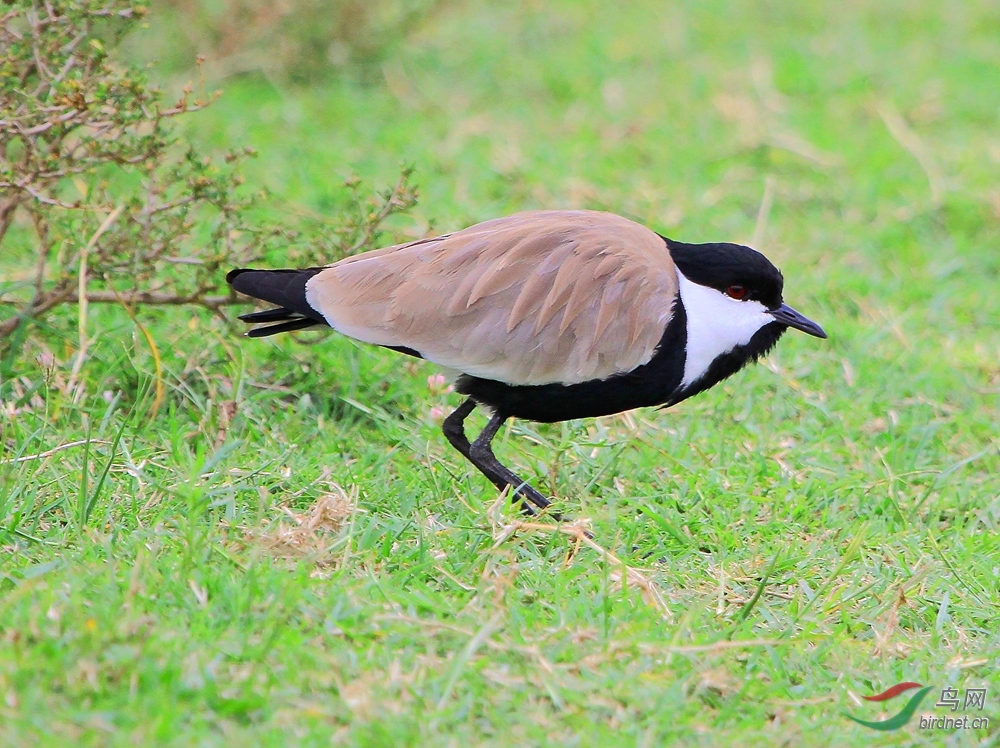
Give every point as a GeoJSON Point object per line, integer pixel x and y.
{"type": "Point", "coordinates": [284, 287]}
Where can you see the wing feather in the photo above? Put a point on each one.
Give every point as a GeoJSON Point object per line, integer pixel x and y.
{"type": "Point", "coordinates": [528, 300]}
{"type": "Point", "coordinates": [533, 298]}
{"type": "Point", "coordinates": [559, 291]}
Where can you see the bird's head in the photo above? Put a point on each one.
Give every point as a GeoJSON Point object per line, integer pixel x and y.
{"type": "Point", "coordinates": [732, 298]}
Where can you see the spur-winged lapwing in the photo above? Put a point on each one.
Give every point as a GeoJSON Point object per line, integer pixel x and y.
{"type": "Point", "coordinates": [545, 315]}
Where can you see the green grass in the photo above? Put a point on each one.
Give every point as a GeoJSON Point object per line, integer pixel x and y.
{"type": "Point", "coordinates": [819, 527]}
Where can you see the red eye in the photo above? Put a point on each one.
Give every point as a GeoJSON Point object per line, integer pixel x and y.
{"type": "Point", "coordinates": [736, 292]}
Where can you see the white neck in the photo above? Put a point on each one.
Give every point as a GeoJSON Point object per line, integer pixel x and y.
{"type": "Point", "coordinates": [716, 324]}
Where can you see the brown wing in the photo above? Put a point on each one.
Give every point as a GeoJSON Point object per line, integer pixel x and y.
{"type": "Point", "coordinates": [533, 298]}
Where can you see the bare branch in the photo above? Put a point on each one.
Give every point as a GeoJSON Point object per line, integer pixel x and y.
{"type": "Point", "coordinates": [7, 209]}
{"type": "Point", "coordinates": [157, 298]}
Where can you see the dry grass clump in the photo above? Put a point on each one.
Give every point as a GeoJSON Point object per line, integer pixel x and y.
{"type": "Point", "coordinates": [310, 534]}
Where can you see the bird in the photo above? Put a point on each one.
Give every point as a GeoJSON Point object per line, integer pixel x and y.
{"type": "Point", "coordinates": [546, 315]}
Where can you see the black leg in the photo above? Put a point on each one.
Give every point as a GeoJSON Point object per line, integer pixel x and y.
{"type": "Point", "coordinates": [453, 429]}
{"type": "Point", "coordinates": [480, 454]}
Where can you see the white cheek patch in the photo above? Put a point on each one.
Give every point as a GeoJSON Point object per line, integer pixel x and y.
{"type": "Point", "coordinates": [716, 324]}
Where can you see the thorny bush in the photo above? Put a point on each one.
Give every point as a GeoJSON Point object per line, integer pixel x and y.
{"type": "Point", "coordinates": [100, 200]}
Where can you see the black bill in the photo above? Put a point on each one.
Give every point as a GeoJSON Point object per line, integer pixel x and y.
{"type": "Point", "coordinates": [788, 316]}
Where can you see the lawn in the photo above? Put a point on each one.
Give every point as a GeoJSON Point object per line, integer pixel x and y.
{"type": "Point", "coordinates": [281, 548]}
